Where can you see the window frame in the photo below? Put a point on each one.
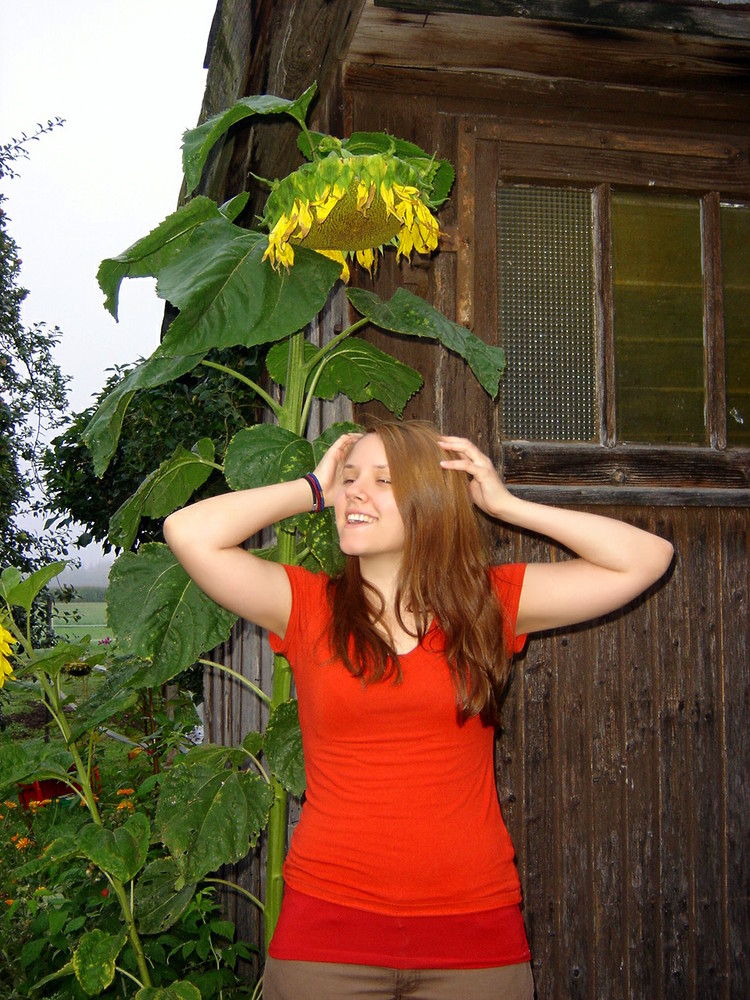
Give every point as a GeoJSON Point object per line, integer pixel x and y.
{"type": "Point", "coordinates": [491, 152]}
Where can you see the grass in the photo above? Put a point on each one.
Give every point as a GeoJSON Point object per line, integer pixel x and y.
{"type": "Point", "coordinates": [79, 618]}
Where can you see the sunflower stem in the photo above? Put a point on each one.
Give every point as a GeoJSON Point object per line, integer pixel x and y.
{"type": "Point", "coordinates": [258, 390]}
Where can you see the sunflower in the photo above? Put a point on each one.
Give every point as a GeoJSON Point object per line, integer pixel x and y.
{"type": "Point", "coordinates": [6, 670]}
{"type": "Point", "coordinates": [354, 199]}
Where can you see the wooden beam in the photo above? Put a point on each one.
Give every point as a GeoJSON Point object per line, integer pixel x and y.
{"type": "Point", "coordinates": [473, 43]}
{"type": "Point", "coordinates": [719, 19]}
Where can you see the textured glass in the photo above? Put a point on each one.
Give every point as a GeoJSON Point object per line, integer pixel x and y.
{"type": "Point", "coordinates": [735, 253]}
{"type": "Point", "coordinates": [658, 319]}
{"type": "Point", "coordinates": [546, 313]}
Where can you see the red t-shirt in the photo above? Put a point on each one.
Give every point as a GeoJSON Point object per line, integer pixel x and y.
{"type": "Point", "coordinates": [401, 817]}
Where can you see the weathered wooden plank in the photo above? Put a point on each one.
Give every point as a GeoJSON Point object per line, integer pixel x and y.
{"type": "Point", "coordinates": [734, 582]}
{"type": "Point", "coordinates": [676, 851]}
{"type": "Point", "coordinates": [542, 463]}
{"type": "Point", "coordinates": [465, 197]}
{"type": "Point", "coordinates": [533, 161]}
{"type": "Point", "coordinates": [721, 18]}
{"type": "Point", "coordinates": [473, 43]}
{"type": "Point", "coordinates": [541, 101]}
{"type": "Point", "coordinates": [640, 645]}
{"type": "Point", "coordinates": [707, 755]}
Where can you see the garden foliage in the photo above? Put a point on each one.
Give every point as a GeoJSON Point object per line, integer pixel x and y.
{"type": "Point", "coordinates": [214, 801]}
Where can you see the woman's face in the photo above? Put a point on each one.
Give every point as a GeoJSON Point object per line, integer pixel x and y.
{"type": "Point", "coordinates": [367, 517]}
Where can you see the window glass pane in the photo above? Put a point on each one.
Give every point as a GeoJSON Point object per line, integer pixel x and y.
{"type": "Point", "coordinates": [735, 254]}
{"type": "Point", "coordinates": [658, 318]}
{"type": "Point", "coordinates": [546, 313]}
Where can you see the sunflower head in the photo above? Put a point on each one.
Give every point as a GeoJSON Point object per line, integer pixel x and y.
{"type": "Point", "coordinates": [6, 640]}
{"type": "Point", "coordinates": [355, 199]}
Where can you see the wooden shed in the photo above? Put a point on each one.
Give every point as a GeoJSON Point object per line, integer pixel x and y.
{"type": "Point", "coordinates": [599, 230]}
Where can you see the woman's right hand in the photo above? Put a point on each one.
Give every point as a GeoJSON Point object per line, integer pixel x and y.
{"type": "Point", "coordinates": [328, 469]}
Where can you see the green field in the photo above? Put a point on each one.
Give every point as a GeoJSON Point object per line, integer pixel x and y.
{"type": "Point", "coordinates": [79, 618]}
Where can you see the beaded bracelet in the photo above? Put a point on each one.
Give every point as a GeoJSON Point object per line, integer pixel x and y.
{"type": "Point", "coordinates": [319, 503]}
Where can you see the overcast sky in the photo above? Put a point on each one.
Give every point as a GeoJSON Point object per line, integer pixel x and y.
{"type": "Point", "coordinates": [127, 76]}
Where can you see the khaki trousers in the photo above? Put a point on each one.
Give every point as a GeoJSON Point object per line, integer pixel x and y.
{"type": "Point", "coordinates": [287, 980]}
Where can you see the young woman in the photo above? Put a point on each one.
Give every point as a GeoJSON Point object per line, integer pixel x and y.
{"type": "Point", "coordinates": [400, 878]}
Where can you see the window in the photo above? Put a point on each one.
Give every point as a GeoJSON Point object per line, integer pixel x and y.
{"type": "Point", "coordinates": [576, 294]}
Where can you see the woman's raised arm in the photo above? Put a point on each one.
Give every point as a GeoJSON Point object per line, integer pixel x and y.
{"type": "Point", "coordinates": [616, 561]}
{"type": "Point", "coordinates": [207, 539]}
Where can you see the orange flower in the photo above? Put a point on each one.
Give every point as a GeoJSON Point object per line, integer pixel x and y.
{"type": "Point", "coordinates": [127, 804]}
{"type": "Point", "coordinates": [23, 843]}
{"type": "Point", "coordinates": [10, 805]}
{"type": "Point", "coordinates": [125, 791]}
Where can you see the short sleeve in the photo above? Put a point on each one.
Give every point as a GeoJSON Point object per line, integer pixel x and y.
{"type": "Point", "coordinates": [309, 612]}
{"type": "Point", "coordinates": [508, 582]}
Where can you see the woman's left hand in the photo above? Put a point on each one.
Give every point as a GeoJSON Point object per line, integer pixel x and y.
{"type": "Point", "coordinates": [486, 488]}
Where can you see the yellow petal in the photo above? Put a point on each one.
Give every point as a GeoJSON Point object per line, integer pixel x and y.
{"type": "Point", "coordinates": [365, 258]}
{"type": "Point", "coordinates": [338, 256]}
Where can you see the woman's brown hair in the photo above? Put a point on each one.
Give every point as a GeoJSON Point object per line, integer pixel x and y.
{"type": "Point", "coordinates": [444, 574]}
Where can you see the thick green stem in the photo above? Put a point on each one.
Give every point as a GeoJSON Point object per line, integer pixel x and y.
{"type": "Point", "coordinates": [54, 697]}
{"type": "Point", "coordinates": [290, 419]}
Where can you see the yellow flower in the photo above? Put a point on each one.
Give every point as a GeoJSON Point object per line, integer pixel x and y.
{"type": "Point", "coordinates": [349, 206]}
{"type": "Point", "coordinates": [5, 651]}
{"type": "Point", "coordinates": [10, 805]}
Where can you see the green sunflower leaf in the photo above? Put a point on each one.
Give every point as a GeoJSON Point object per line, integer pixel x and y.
{"type": "Point", "coordinates": [20, 592]}
{"type": "Point", "coordinates": [266, 454]}
{"type": "Point", "coordinates": [228, 295]}
{"type": "Point", "coordinates": [197, 142]}
{"type": "Point", "coordinates": [94, 960]}
{"type": "Point", "coordinates": [180, 990]}
{"type": "Point", "coordinates": [363, 372]}
{"type": "Point", "coordinates": [282, 742]}
{"type": "Point", "coordinates": [158, 613]}
{"type": "Point", "coordinates": [102, 432]}
{"type": "Point", "coordinates": [164, 490]}
{"type": "Point", "coordinates": [158, 904]}
{"type": "Point", "coordinates": [147, 255]}
{"type": "Point", "coordinates": [208, 815]}
{"type": "Point", "coordinates": [407, 314]}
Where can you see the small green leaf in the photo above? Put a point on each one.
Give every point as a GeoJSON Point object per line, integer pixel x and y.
{"type": "Point", "coordinates": [181, 990]}
{"type": "Point", "coordinates": [158, 904]}
{"type": "Point", "coordinates": [363, 372]}
{"type": "Point", "coordinates": [410, 315]}
{"type": "Point", "coordinates": [158, 613]}
{"type": "Point", "coordinates": [253, 743]}
{"type": "Point", "coordinates": [282, 742]}
{"type": "Point", "coordinates": [115, 693]}
{"type": "Point", "coordinates": [277, 359]}
{"type": "Point", "coordinates": [19, 592]}
{"type": "Point", "coordinates": [322, 538]}
{"type": "Point", "coordinates": [265, 454]}
{"type": "Point", "coordinates": [94, 960]}
{"type": "Point", "coordinates": [164, 490]}
{"type": "Point", "coordinates": [197, 142]}
{"type": "Point", "coordinates": [120, 852]}
{"type": "Point", "coordinates": [32, 759]}
{"type": "Point", "coordinates": [53, 660]}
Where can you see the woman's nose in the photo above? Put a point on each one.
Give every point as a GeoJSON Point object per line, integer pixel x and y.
{"type": "Point", "coordinates": [355, 489]}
